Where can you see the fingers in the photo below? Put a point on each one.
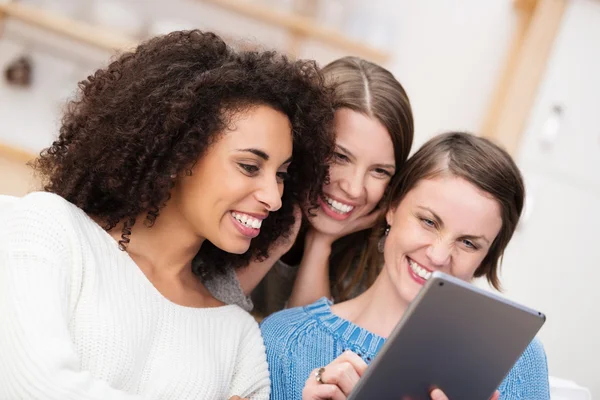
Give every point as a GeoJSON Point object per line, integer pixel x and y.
{"type": "Point", "coordinates": [360, 366]}
{"type": "Point", "coordinates": [338, 378]}
{"type": "Point", "coordinates": [341, 374]}
{"type": "Point", "coordinates": [437, 394]}
{"type": "Point", "coordinates": [322, 391]}
{"type": "Point", "coordinates": [238, 398]}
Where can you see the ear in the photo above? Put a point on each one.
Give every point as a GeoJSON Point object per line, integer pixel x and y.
{"type": "Point", "coordinates": [389, 216]}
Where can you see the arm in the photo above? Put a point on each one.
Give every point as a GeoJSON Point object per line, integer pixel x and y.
{"type": "Point", "coordinates": [528, 379]}
{"type": "Point", "coordinates": [312, 281]}
{"type": "Point", "coordinates": [251, 373]}
{"type": "Point", "coordinates": [37, 265]}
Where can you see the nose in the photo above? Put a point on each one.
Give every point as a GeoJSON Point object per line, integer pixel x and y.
{"type": "Point", "coordinates": [439, 253]}
{"type": "Point", "coordinates": [353, 184]}
{"type": "Point", "coordinates": [269, 194]}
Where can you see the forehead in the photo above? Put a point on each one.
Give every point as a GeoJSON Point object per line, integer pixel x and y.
{"type": "Point", "coordinates": [259, 127]}
{"type": "Point", "coordinates": [461, 205]}
{"type": "Point", "coordinates": [358, 132]}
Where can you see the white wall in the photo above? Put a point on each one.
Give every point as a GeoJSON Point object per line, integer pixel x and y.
{"type": "Point", "coordinates": [448, 55]}
{"type": "Point", "coordinates": [553, 263]}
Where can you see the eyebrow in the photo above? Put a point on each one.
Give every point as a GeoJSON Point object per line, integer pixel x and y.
{"type": "Point", "coordinates": [384, 166]}
{"type": "Point", "coordinates": [349, 154]}
{"type": "Point", "coordinates": [262, 154]}
{"type": "Point", "coordinates": [345, 150]}
{"type": "Point", "coordinates": [441, 223]}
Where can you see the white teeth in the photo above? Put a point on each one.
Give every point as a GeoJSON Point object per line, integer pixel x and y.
{"type": "Point", "coordinates": [420, 271]}
{"type": "Point", "coordinates": [247, 220]}
{"type": "Point", "coordinates": [339, 207]}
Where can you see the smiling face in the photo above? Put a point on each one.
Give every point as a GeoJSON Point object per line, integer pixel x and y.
{"type": "Point", "coordinates": [239, 180]}
{"type": "Point", "coordinates": [362, 167]}
{"type": "Point", "coordinates": [443, 224]}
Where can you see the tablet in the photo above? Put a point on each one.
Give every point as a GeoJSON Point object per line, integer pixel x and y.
{"type": "Point", "coordinates": [454, 336]}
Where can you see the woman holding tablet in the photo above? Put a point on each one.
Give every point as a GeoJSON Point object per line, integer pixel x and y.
{"type": "Point", "coordinates": [453, 208]}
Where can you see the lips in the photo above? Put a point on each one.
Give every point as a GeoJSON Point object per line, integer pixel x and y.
{"type": "Point", "coordinates": [335, 209]}
{"type": "Point", "coordinates": [248, 225]}
{"type": "Point", "coordinates": [419, 273]}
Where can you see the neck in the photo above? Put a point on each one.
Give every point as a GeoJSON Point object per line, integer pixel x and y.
{"type": "Point", "coordinates": [379, 309]}
{"type": "Point", "coordinates": [167, 248]}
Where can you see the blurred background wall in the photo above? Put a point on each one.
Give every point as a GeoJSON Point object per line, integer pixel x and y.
{"type": "Point", "coordinates": [525, 73]}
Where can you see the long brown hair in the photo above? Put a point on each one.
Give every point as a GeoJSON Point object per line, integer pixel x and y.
{"type": "Point", "coordinates": [372, 90]}
{"type": "Point", "coordinates": [483, 164]}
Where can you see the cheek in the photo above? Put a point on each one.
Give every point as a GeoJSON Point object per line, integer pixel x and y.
{"type": "Point", "coordinates": [466, 265]}
{"type": "Point", "coordinates": [414, 235]}
{"type": "Point", "coordinates": [375, 190]}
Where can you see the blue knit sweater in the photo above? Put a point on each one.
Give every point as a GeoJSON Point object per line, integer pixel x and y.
{"type": "Point", "coordinates": [298, 340]}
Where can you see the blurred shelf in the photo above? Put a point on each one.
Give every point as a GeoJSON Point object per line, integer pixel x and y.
{"type": "Point", "coordinates": [67, 27]}
{"type": "Point", "coordinates": [16, 177]}
{"type": "Point", "coordinates": [16, 154]}
{"type": "Point", "coordinates": [538, 24]}
{"type": "Point", "coordinates": [301, 27]}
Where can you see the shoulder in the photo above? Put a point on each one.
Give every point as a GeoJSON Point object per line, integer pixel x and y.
{"type": "Point", "coordinates": [285, 323]}
{"type": "Point", "coordinates": [529, 376]}
{"type": "Point", "coordinates": [296, 342]}
{"type": "Point", "coordinates": [297, 332]}
{"type": "Point", "coordinates": [241, 317]}
{"type": "Point", "coordinates": [45, 200]}
{"type": "Point", "coordinates": [243, 329]}
{"type": "Point", "coordinates": [43, 206]}
{"type": "Point", "coordinates": [534, 357]}
{"type": "Point", "coordinates": [39, 216]}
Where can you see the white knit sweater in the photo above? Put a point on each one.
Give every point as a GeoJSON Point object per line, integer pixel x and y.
{"type": "Point", "coordinates": [79, 320]}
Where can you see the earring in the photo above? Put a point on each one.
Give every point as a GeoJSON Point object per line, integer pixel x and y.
{"type": "Point", "coordinates": [381, 243]}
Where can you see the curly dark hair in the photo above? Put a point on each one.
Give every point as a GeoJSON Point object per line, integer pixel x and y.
{"type": "Point", "coordinates": [153, 112]}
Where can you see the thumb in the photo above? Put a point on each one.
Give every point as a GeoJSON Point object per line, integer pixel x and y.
{"type": "Point", "coordinates": [437, 394]}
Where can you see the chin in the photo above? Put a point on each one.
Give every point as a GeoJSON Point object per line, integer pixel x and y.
{"type": "Point", "coordinates": [239, 249]}
{"type": "Point", "coordinates": [324, 224]}
{"type": "Point", "coordinates": [234, 246]}
{"type": "Point", "coordinates": [407, 294]}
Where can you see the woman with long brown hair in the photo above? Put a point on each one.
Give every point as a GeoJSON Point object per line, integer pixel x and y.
{"type": "Point", "coordinates": [333, 253]}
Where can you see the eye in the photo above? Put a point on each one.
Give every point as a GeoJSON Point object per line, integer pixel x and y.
{"type": "Point", "coordinates": [341, 157]}
{"type": "Point", "coordinates": [428, 222]}
{"type": "Point", "coordinates": [282, 176]}
{"type": "Point", "coordinates": [249, 169]}
{"type": "Point", "coordinates": [469, 244]}
{"type": "Point", "coordinates": [382, 173]}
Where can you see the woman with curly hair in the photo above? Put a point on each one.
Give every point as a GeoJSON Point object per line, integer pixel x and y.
{"type": "Point", "coordinates": [177, 151]}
